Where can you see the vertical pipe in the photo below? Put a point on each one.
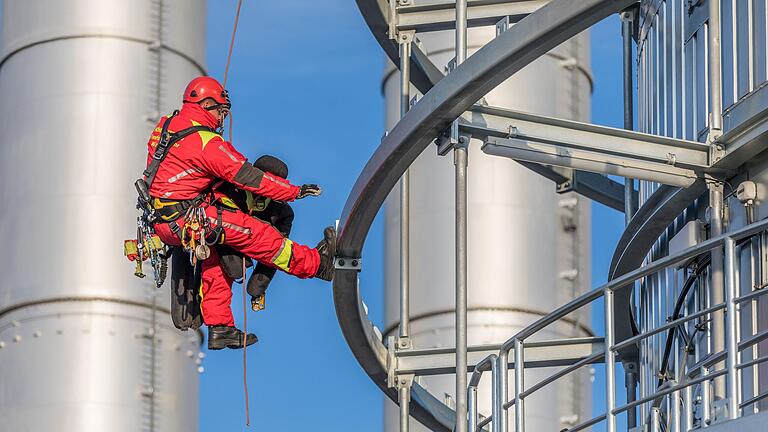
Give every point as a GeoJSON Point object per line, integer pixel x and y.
{"type": "Point", "coordinates": [502, 390]}
{"type": "Point", "coordinates": [731, 335]}
{"type": "Point", "coordinates": [715, 68]}
{"type": "Point", "coordinates": [519, 386]}
{"type": "Point", "coordinates": [627, 19]}
{"type": "Point", "coordinates": [461, 286]}
{"type": "Point", "coordinates": [405, 302]}
{"type": "Point", "coordinates": [629, 184]}
{"type": "Point", "coordinates": [404, 393]}
{"type": "Point", "coordinates": [716, 295]}
{"type": "Point", "coordinates": [460, 160]}
{"type": "Point", "coordinates": [610, 364]}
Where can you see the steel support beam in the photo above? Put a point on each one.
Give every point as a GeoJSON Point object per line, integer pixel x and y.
{"type": "Point", "coordinates": [554, 353]}
{"type": "Point", "coordinates": [587, 147]}
{"type": "Point", "coordinates": [441, 16]}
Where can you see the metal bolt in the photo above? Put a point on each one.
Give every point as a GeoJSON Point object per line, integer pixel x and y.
{"type": "Point", "coordinates": [355, 263]}
{"type": "Point", "coordinates": [200, 369]}
{"type": "Point", "coordinates": [2, 345]}
{"type": "Point", "coordinates": [190, 354]}
{"type": "Point", "coordinates": [37, 334]}
{"type": "Point", "coordinates": [17, 338]}
{"type": "Point", "coordinates": [341, 262]}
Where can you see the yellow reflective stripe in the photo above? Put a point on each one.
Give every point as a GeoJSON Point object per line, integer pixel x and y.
{"type": "Point", "coordinates": [283, 258]}
{"type": "Point", "coordinates": [205, 136]}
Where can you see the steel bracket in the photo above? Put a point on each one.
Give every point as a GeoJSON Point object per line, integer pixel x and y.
{"type": "Point", "coordinates": [404, 343]}
{"type": "Point", "coordinates": [503, 25]}
{"type": "Point", "coordinates": [405, 36]}
{"type": "Point", "coordinates": [391, 362]}
{"type": "Point", "coordinates": [405, 381]}
{"type": "Point", "coordinates": [347, 263]}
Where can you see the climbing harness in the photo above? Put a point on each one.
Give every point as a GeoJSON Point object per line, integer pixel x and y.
{"type": "Point", "coordinates": [147, 245]}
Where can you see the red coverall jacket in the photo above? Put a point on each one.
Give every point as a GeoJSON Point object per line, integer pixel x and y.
{"type": "Point", "coordinates": [192, 165]}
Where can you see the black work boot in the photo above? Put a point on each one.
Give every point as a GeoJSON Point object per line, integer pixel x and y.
{"type": "Point", "coordinates": [327, 249]}
{"type": "Point", "coordinates": [221, 336]}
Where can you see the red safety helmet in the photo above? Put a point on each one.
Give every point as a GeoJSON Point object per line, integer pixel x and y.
{"type": "Point", "coordinates": [205, 87]}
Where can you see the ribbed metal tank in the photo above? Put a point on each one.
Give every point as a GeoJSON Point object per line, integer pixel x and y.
{"type": "Point", "coordinates": [83, 83]}
{"type": "Point", "coordinates": [529, 248]}
{"type": "Point", "coordinates": [675, 91]}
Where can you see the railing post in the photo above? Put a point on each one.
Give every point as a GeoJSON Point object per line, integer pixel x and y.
{"type": "Point", "coordinates": [655, 420]}
{"type": "Point", "coordinates": [706, 399]}
{"type": "Point", "coordinates": [688, 408]}
{"type": "Point", "coordinates": [472, 407]}
{"type": "Point", "coordinates": [519, 386]}
{"type": "Point", "coordinates": [731, 329]}
{"type": "Point", "coordinates": [502, 389]}
{"type": "Point", "coordinates": [610, 364]}
{"type": "Point", "coordinates": [496, 408]}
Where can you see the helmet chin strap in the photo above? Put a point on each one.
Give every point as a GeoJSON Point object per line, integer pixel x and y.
{"type": "Point", "coordinates": [220, 128]}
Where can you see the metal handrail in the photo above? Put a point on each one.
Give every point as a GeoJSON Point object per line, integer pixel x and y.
{"type": "Point", "coordinates": [755, 399]}
{"type": "Point", "coordinates": [488, 363]}
{"type": "Point", "coordinates": [501, 402]}
{"type": "Point", "coordinates": [669, 325]}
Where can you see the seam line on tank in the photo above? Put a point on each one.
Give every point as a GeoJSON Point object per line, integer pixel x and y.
{"type": "Point", "coordinates": [15, 51]}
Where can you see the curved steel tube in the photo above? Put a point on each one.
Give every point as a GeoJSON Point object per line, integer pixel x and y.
{"type": "Point", "coordinates": [531, 38]}
{"type": "Point", "coordinates": [648, 223]}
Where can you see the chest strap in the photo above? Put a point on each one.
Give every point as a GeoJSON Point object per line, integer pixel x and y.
{"type": "Point", "coordinates": [167, 140]}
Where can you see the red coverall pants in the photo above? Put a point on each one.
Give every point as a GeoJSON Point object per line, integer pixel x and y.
{"type": "Point", "coordinates": [252, 237]}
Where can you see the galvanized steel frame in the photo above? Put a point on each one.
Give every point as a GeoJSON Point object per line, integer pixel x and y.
{"type": "Point", "coordinates": [448, 98]}
{"type": "Point", "coordinates": [531, 38]}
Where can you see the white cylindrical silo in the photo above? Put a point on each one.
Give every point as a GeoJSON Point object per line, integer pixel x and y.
{"type": "Point", "coordinates": [82, 83]}
{"type": "Point", "coordinates": [529, 248]}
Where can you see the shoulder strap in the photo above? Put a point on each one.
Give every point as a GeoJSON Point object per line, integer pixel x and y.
{"type": "Point", "coordinates": [164, 145]}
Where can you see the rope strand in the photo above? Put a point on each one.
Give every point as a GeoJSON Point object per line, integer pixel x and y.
{"type": "Point", "coordinates": [232, 42]}
{"type": "Point", "coordinates": [245, 348]}
{"type": "Point", "coordinates": [245, 308]}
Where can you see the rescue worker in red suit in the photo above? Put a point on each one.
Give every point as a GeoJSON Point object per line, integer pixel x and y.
{"type": "Point", "coordinates": [185, 178]}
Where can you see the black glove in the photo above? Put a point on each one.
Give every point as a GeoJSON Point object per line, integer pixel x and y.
{"type": "Point", "coordinates": [309, 190]}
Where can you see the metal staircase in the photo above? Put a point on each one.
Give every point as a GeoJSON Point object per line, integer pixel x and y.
{"type": "Point", "coordinates": [577, 157]}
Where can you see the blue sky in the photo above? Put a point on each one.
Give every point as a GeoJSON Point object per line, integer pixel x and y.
{"type": "Point", "coordinates": [305, 86]}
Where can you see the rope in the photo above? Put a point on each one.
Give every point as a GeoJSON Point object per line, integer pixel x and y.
{"type": "Point", "coordinates": [232, 42]}
{"type": "Point", "coordinates": [245, 308]}
{"type": "Point", "coordinates": [245, 349]}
